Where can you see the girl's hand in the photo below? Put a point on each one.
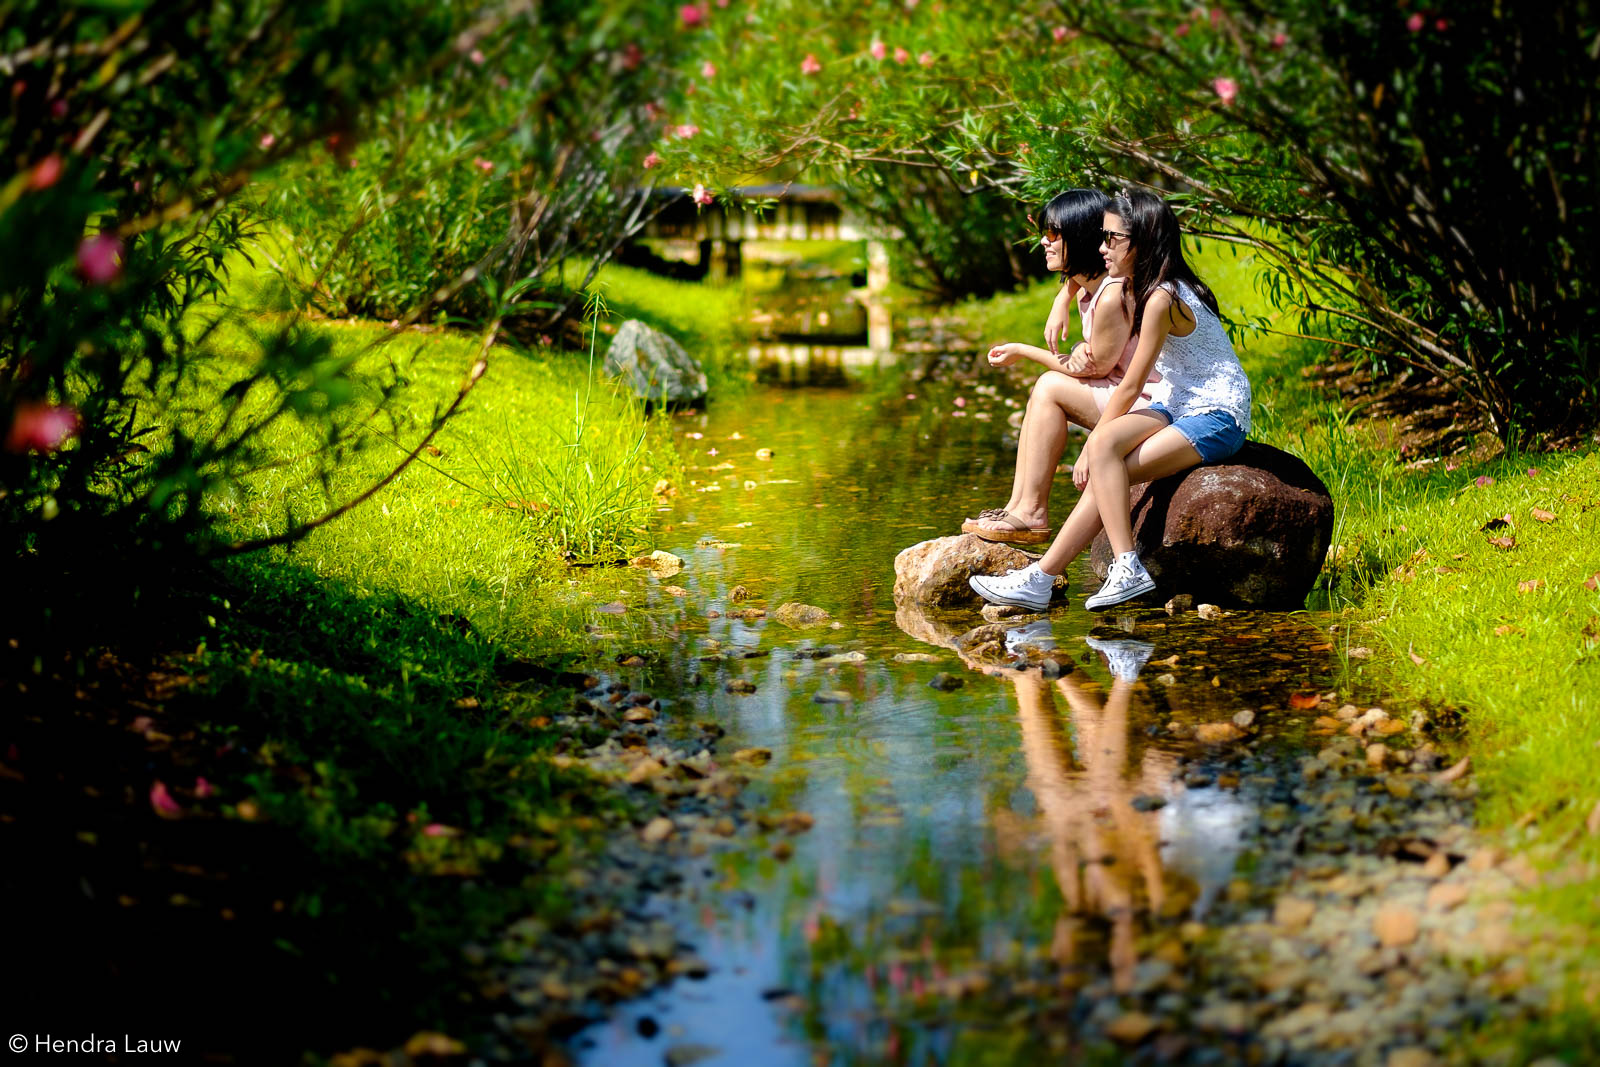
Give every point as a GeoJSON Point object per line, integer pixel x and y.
{"type": "Point", "coordinates": [1080, 470]}
{"type": "Point", "coordinates": [1004, 355]}
{"type": "Point", "coordinates": [1079, 363]}
{"type": "Point", "coordinates": [1055, 328]}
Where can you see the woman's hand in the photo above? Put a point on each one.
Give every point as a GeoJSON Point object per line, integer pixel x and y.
{"type": "Point", "coordinates": [1080, 470]}
{"type": "Point", "coordinates": [1055, 327]}
{"type": "Point", "coordinates": [1005, 355]}
{"type": "Point", "coordinates": [1079, 364]}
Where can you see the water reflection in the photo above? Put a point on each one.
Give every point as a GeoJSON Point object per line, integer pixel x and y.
{"type": "Point", "coordinates": [830, 366]}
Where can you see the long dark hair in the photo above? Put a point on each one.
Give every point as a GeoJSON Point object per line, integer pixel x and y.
{"type": "Point", "coordinates": [1078, 215]}
{"type": "Point", "coordinates": [1154, 232]}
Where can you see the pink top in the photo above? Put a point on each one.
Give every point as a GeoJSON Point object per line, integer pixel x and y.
{"type": "Point", "coordinates": [1086, 306]}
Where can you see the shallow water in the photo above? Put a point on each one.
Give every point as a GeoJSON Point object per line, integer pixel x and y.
{"type": "Point", "coordinates": [1017, 826]}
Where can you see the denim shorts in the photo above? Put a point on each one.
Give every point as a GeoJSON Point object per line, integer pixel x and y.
{"type": "Point", "coordinates": [1214, 434]}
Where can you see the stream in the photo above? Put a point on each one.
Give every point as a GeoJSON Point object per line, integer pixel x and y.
{"type": "Point", "coordinates": [1020, 864]}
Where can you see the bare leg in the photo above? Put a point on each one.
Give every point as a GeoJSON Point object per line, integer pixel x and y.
{"type": "Point", "coordinates": [1154, 453]}
{"type": "Point", "coordinates": [1143, 439]}
{"type": "Point", "coordinates": [1057, 401]}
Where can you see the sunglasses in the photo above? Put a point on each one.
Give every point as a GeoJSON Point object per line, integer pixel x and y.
{"type": "Point", "coordinates": [1110, 236]}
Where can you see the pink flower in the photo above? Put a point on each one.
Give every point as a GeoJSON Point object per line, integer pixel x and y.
{"type": "Point", "coordinates": [702, 195]}
{"type": "Point", "coordinates": [809, 65]}
{"type": "Point", "coordinates": [711, 451]}
{"type": "Point", "coordinates": [1182, 30]}
{"type": "Point", "coordinates": [45, 172]}
{"type": "Point", "coordinates": [926, 59]}
{"type": "Point", "coordinates": [485, 165]}
{"type": "Point", "coordinates": [708, 70]}
{"type": "Point", "coordinates": [652, 160]}
{"type": "Point", "coordinates": [267, 141]}
{"type": "Point", "coordinates": [1059, 33]}
{"type": "Point", "coordinates": [691, 14]}
{"type": "Point", "coordinates": [41, 427]}
{"type": "Point", "coordinates": [960, 401]}
{"type": "Point", "coordinates": [688, 129]}
{"type": "Point", "coordinates": [100, 258]}
{"type": "Point", "coordinates": [1441, 25]}
{"type": "Point", "coordinates": [1216, 15]}
{"type": "Point", "coordinates": [476, 56]}
{"type": "Point", "coordinates": [1227, 89]}
{"type": "Point", "coordinates": [161, 801]}
{"type": "Point", "coordinates": [901, 55]}
{"type": "Point", "coordinates": [1415, 23]}
{"type": "Point", "coordinates": [911, 396]}
{"type": "Point", "coordinates": [439, 829]}
{"type": "Point", "coordinates": [202, 788]}
{"type": "Point", "coordinates": [1279, 40]}
{"type": "Point", "coordinates": [632, 56]}
{"type": "Point", "coordinates": [1483, 481]}
{"type": "Point", "coordinates": [878, 49]}
{"type": "Point", "coordinates": [1533, 472]}
{"type": "Point", "coordinates": [652, 110]}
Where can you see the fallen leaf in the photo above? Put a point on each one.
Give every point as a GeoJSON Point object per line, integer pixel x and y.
{"type": "Point", "coordinates": [161, 801]}
{"type": "Point", "coordinates": [1445, 777]}
{"type": "Point", "coordinates": [1542, 515]}
{"type": "Point", "coordinates": [1360, 652]}
{"type": "Point", "coordinates": [1303, 701]}
{"type": "Point", "coordinates": [1507, 630]}
{"type": "Point", "coordinates": [1593, 822]}
{"type": "Point", "coordinates": [1532, 585]}
{"type": "Point", "coordinates": [1418, 660]}
{"type": "Point", "coordinates": [1503, 543]}
{"type": "Point", "coordinates": [1593, 583]}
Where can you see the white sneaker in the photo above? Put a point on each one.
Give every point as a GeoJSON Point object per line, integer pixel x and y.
{"type": "Point", "coordinates": [1125, 656]}
{"type": "Point", "coordinates": [1124, 582]}
{"type": "Point", "coordinates": [1035, 634]}
{"type": "Point", "coordinates": [1028, 588]}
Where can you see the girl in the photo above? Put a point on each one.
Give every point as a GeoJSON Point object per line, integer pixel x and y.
{"type": "Point", "coordinates": [1203, 419]}
{"type": "Point", "coordinates": [1074, 389]}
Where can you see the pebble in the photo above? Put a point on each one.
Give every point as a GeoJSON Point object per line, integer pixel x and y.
{"type": "Point", "coordinates": [946, 682]}
{"type": "Point", "coordinates": [1395, 925]}
{"type": "Point", "coordinates": [1244, 719]}
{"type": "Point", "coordinates": [740, 685]}
{"type": "Point", "coordinates": [1209, 612]}
{"type": "Point", "coordinates": [832, 696]}
{"type": "Point", "coordinates": [1149, 802]}
{"type": "Point", "coordinates": [916, 657]}
{"type": "Point", "coordinates": [1130, 1028]}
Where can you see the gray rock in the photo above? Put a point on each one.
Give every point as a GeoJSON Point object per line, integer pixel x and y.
{"type": "Point", "coordinates": [655, 367]}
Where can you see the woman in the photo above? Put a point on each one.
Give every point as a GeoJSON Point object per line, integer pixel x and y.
{"type": "Point", "coordinates": [1203, 419]}
{"type": "Point", "coordinates": [1074, 389]}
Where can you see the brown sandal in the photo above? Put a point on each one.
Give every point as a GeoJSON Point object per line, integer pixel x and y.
{"type": "Point", "coordinates": [1017, 535]}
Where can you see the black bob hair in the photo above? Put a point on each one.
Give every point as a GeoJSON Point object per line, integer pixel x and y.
{"type": "Point", "coordinates": [1156, 237]}
{"type": "Point", "coordinates": [1078, 216]}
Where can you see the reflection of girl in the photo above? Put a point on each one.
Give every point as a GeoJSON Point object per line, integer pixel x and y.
{"type": "Point", "coordinates": [1075, 388]}
{"type": "Point", "coordinates": [1203, 419]}
{"type": "Point", "coordinates": [1103, 852]}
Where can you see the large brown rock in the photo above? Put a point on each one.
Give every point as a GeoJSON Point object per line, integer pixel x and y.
{"type": "Point", "coordinates": [934, 573]}
{"type": "Point", "coordinates": [1251, 532]}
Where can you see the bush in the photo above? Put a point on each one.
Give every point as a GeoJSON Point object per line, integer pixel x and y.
{"type": "Point", "coordinates": [1421, 179]}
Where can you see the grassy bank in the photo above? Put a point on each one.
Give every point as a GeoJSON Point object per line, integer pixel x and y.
{"type": "Point", "coordinates": [330, 763]}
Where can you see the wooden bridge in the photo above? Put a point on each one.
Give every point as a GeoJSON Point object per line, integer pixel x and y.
{"type": "Point", "coordinates": [795, 213]}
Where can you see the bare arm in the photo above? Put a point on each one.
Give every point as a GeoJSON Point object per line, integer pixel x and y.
{"type": "Point", "coordinates": [1152, 335]}
{"type": "Point", "coordinates": [1110, 330]}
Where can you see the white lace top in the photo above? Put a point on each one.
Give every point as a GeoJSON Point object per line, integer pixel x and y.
{"type": "Point", "coordinates": [1201, 370]}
